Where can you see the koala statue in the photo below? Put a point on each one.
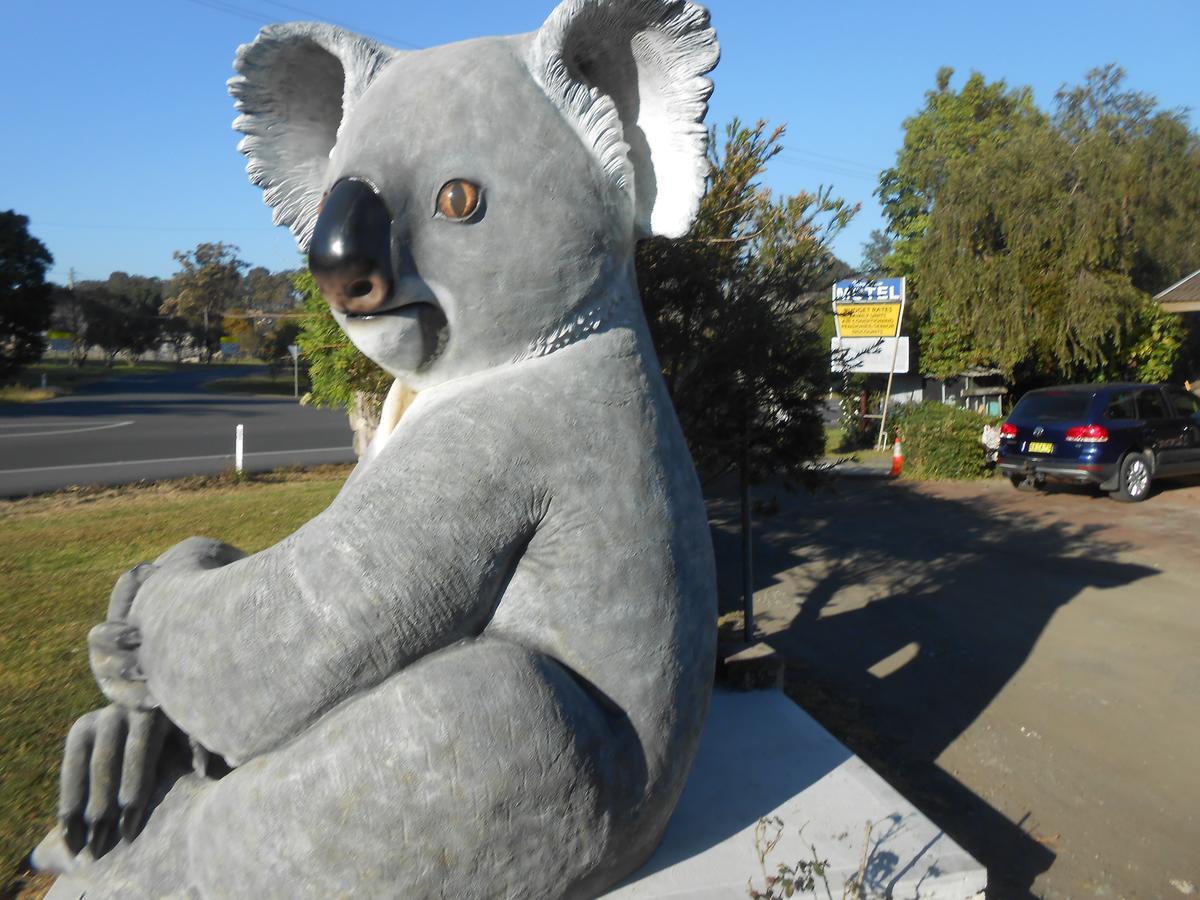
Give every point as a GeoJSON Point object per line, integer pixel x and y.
{"type": "Point", "coordinates": [484, 669]}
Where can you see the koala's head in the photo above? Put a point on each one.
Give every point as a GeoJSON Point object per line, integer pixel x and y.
{"type": "Point", "coordinates": [471, 204]}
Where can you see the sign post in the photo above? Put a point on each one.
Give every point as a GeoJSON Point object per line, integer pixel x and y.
{"type": "Point", "coordinates": [887, 394]}
{"type": "Point", "coordinates": [237, 448]}
{"type": "Point", "coordinates": [872, 308]}
{"type": "Point", "coordinates": [295, 351]}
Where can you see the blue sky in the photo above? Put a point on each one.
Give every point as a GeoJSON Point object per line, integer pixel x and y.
{"type": "Point", "coordinates": [117, 140]}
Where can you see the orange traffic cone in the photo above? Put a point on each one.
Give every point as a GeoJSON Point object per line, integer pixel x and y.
{"type": "Point", "coordinates": [897, 458]}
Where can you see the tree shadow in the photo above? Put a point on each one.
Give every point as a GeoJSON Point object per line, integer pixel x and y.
{"type": "Point", "coordinates": [902, 616]}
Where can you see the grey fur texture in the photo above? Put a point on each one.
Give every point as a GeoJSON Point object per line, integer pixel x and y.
{"type": "Point", "coordinates": [483, 670]}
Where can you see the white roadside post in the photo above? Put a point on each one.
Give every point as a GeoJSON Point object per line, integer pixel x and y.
{"type": "Point", "coordinates": [295, 351]}
{"type": "Point", "coordinates": [237, 449]}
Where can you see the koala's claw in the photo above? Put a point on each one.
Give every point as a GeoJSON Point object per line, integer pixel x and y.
{"type": "Point", "coordinates": [107, 776]}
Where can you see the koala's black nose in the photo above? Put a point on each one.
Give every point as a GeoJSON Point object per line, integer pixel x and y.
{"type": "Point", "coordinates": [350, 255]}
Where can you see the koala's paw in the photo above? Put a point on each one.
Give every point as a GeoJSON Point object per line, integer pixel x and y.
{"type": "Point", "coordinates": [112, 646]}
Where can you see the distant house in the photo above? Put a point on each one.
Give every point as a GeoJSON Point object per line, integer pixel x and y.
{"type": "Point", "coordinates": [1183, 296]}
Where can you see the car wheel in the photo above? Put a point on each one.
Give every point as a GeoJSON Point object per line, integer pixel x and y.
{"type": "Point", "coordinates": [1024, 482]}
{"type": "Point", "coordinates": [1134, 485]}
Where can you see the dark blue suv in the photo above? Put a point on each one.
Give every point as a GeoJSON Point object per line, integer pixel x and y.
{"type": "Point", "coordinates": [1117, 436]}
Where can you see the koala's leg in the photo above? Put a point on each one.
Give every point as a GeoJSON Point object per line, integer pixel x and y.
{"type": "Point", "coordinates": [485, 770]}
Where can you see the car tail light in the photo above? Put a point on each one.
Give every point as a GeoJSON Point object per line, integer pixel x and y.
{"type": "Point", "coordinates": [1008, 430]}
{"type": "Point", "coordinates": [1088, 434]}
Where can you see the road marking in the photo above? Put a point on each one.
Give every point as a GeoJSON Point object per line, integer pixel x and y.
{"type": "Point", "coordinates": [145, 462]}
{"type": "Point", "coordinates": [67, 431]}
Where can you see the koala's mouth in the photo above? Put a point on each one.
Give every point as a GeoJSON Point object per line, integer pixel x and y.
{"type": "Point", "coordinates": [419, 308]}
{"type": "Point", "coordinates": [407, 337]}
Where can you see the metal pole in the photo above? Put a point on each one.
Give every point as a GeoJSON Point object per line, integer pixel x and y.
{"type": "Point", "coordinates": [294, 350]}
{"type": "Point", "coordinates": [887, 396]}
{"type": "Point", "coordinates": [237, 449]}
{"type": "Point", "coordinates": [747, 559]}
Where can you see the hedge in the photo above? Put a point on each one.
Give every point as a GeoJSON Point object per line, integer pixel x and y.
{"type": "Point", "coordinates": [942, 441]}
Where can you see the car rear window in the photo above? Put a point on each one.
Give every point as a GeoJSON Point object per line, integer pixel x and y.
{"type": "Point", "coordinates": [1054, 406]}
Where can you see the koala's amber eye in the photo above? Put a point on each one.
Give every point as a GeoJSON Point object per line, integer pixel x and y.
{"type": "Point", "coordinates": [458, 199]}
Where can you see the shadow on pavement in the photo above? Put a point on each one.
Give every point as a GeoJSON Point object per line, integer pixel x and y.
{"type": "Point", "coordinates": [902, 615]}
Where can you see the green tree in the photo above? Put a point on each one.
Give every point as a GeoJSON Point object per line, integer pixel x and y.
{"type": "Point", "coordinates": [139, 299]}
{"type": "Point", "coordinates": [875, 253]}
{"type": "Point", "coordinates": [241, 326]}
{"type": "Point", "coordinates": [1039, 249]}
{"type": "Point", "coordinates": [267, 291]}
{"type": "Point", "coordinates": [337, 370]}
{"type": "Point", "coordinates": [68, 317]}
{"type": "Point", "coordinates": [25, 305]}
{"type": "Point", "coordinates": [952, 125]}
{"type": "Point", "coordinates": [278, 336]}
{"type": "Point", "coordinates": [208, 283]}
{"type": "Point", "coordinates": [735, 308]}
{"type": "Point", "coordinates": [117, 315]}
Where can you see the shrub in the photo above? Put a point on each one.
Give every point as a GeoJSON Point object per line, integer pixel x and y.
{"type": "Point", "coordinates": [942, 441]}
{"type": "Point", "coordinates": [336, 368]}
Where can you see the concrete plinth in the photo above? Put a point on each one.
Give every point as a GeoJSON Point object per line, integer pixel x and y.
{"type": "Point", "coordinates": [761, 755]}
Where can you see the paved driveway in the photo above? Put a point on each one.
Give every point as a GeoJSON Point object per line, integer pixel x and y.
{"type": "Point", "coordinates": [1025, 667]}
{"type": "Point", "coordinates": [160, 426]}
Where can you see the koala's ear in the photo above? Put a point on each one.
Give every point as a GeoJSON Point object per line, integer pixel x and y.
{"type": "Point", "coordinates": [296, 85]}
{"type": "Point", "coordinates": [629, 76]}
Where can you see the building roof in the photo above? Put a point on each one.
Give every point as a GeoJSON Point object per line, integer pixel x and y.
{"type": "Point", "coordinates": [1183, 296]}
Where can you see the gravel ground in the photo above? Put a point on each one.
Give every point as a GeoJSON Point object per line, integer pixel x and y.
{"type": "Point", "coordinates": [1023, 666]}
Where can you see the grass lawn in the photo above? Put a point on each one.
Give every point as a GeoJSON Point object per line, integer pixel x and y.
{"type": "Point", "coordinates": [18, 393]}
{"type": "Point", "coordinates": [833, 443]}
{"type": "Point", "coordinates": [59, 557]}
{"type": "Point", "coordinates": [280, 384]}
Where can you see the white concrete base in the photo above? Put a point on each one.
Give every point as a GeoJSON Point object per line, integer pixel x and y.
{"type": "Point", "coordinates": [761, 755]}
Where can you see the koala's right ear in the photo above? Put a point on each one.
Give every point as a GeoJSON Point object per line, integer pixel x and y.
{"type": "Point", "coordinates": [295, 87]}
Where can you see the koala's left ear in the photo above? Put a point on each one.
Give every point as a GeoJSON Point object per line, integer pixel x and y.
{"type": "Point", "coordinates": [295, 87]}
{"type": "Point", "coordinates": [629, 76]}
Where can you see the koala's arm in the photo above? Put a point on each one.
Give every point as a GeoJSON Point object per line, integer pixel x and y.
{"type": "Point", "coordinates": [244, 653]}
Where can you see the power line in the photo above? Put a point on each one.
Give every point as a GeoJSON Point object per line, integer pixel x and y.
{"type": "Point", "coordinates": [259, 18]}
{"type": "Point", "coordinates": [231, 10]}
{"type": "Point", "coordinates": [111, 227]}
{"type": "Point", "coordinates": [323, 17]}
{"type": "Point", "coordinates": [840, 160]}
{"type": "Point", "coordinates": [823, 167]}
{"type": "Point", "coordinates": [844, 168]}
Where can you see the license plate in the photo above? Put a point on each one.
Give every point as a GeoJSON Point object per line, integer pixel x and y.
{"type": "Point", "coordinates": [1040, 447]}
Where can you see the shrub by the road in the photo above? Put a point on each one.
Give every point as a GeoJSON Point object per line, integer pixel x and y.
{"type": "Point", "coordinates": [942, 441]}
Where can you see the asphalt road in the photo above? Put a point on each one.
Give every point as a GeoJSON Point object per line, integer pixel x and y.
{"type": "Point", "coordinates": [164, 426]}
{"type": "Point", "coordinates": [1023, 667]}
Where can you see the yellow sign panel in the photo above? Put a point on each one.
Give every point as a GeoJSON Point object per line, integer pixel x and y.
{"type": "Point", "coordinates": [867, 319]}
